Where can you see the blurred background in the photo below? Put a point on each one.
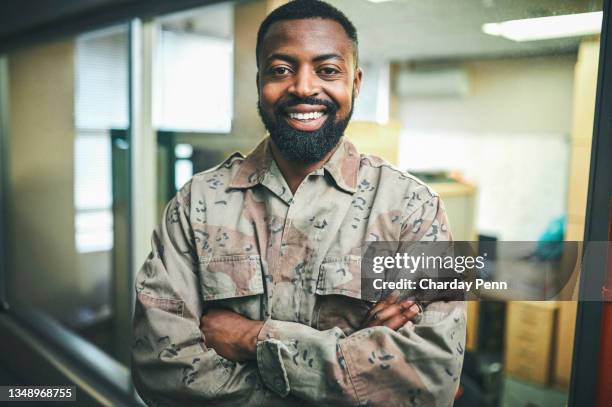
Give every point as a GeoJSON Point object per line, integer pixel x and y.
{"type": "Point", "coordinates": [102, 126]}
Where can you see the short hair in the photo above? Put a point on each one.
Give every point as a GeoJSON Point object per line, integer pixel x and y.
{"type": "Point", "coordinates": [306, 9]}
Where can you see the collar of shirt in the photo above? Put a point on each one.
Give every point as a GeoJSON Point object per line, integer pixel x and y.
{"type": "Point", "coordinates": [259, 166]}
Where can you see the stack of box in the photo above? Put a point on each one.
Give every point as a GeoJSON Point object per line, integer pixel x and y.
{"type": "Point", "coordinates": [530, 328]}
{"type": "Point", "coordinates": [540, 335]}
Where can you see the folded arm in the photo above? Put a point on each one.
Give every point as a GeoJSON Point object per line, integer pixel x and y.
{"type": "Point", "coordinates": [171, 363]}
{"type": "Point", "coordinates": [420, 362]}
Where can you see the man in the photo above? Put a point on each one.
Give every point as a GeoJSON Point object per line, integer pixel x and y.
{"type": "Point", "coordinates": [252, 293]}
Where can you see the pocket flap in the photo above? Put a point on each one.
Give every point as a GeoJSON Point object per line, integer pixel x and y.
{"type": "Point", "coordinates": [230, 277]}
{"type": "Point", "coordinates": [342, 275]}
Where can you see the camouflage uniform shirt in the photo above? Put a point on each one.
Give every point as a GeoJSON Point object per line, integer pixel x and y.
{"type": "Point", "coordinates": [236, 237]}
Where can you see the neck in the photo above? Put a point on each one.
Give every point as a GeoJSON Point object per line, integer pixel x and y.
{"type": "Point", "coordinates": [295, 172]}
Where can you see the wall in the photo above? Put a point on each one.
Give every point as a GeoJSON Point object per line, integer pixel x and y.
{"type": "Point", "coordinates": [523, 95]}
{"type": "Point", "coordinates": [509, 136]}
{"type": "Point", "coordinates": [246, 123]}
{"type": "Point", "coordinates": [41, 205]}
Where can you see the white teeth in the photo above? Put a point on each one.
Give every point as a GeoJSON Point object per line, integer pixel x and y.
{"type": "Point", "coordinates": [306, 116]}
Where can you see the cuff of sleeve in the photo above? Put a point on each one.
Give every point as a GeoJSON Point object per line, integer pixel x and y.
{"type": "Point", "coordinates": [270, 361]}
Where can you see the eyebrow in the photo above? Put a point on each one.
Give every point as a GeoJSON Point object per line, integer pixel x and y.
{"type": "Point", "coordinates": [329, 56]}
{"type": "Point", "coordinates": [290, 59]}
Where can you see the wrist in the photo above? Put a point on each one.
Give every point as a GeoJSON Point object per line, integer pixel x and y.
{"type": "Point", "coordinates": [249, 338]}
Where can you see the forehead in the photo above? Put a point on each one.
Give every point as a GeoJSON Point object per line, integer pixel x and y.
{"type": "Point", "coordinates": [307, 38]}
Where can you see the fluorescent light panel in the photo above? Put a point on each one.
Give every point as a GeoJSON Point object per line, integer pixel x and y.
{"type": "Point", "coordinates": [545, 28]}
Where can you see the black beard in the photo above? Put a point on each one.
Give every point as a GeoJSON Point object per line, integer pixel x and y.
{"type": "Point", "coordinates": [305, 146]}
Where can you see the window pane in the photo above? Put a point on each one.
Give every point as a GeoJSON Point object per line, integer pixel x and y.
{"type": "Point", "coordinates": [94, 231]}
{"type": "Point", "coordinates": [498, 121]}
{"type": "Point", "coordinates": [66, 99]}
{"type": "Point", "coordinates": [195, 83]}
{"type": "Point", "coordinates": [101, 80]}
{"type": "Point", "coordinates": [93, 188]}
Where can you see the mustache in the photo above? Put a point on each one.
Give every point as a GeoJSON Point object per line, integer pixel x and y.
{"type": "Point", "coordinates": [310, 100]}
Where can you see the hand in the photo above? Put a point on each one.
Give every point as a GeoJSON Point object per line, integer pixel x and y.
{"type": "Point", "coordinates": [230, 334]}
{"type": "Point", "coordinates": [392, 314]}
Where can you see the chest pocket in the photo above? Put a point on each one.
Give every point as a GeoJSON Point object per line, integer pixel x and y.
{"type": "Point", "coordinates": [234, 282]}
{"type": "Point", "coordinates": [340, 300]}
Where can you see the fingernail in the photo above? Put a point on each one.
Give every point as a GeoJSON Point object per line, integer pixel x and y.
{"type": "Point", "coordinates": [406, 304]}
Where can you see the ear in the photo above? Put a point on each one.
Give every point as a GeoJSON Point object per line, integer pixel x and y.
{"type": "Point", "coordinates": [357, 81]}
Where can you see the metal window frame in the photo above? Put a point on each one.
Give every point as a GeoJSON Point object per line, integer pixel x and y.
{"type": "Point", "coordinates": [59, 355]}
{"type": "Point", "coordinates": [4, 166]}
{"type": "Point", "coordinates": [585, 363]}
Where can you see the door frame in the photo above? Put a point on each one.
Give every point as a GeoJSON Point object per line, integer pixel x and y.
{"type": "Point", "coordinates": [585, 361]}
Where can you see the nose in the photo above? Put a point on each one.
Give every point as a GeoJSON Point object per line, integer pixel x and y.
{"type": "Point", "coordinates": [305, 84]}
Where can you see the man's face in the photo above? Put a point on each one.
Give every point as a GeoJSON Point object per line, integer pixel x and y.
{"type": "Point", "coordinates": [307, 83]}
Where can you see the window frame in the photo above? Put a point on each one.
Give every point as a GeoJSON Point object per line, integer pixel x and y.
{"type": "Point", "coordinates": [587, 339]}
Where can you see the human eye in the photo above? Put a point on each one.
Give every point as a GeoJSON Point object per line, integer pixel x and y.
{"type": "Point", "coordinates": [329, 71]}
{"type": "Point", "coordinates": [280, 70]}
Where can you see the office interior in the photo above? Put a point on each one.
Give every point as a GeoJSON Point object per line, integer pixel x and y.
{"type": "Point", "coordinates": [104, 121]}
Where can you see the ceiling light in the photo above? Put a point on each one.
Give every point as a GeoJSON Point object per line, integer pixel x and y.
{"type": "Point", "coordinates": [545, 28]}
{"type": "Point", "coordinates": [379, 1]}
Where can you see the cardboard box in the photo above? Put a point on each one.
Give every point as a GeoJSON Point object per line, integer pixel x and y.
{"type": "Point", "coordinates": [472, 326]}
{"type": "Point", "coordinates": [530, 334]}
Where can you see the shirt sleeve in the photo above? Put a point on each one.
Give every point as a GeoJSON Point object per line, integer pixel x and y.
{"type": "Point", "coordinates": [171, 364]}
{"type": "Point", "coordinates": [420, 363]}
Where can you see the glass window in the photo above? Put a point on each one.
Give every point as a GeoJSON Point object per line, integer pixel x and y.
{"type": "Point", "coordinates": [492, 104]}
{"type": "Point", "coordinates": [194, 73]}
{"type": "Point", "coordinates": [101, 80]}
{"type": "Point", "coordinates": [68, 223]}
{"type": "Point", "coordinates": [93, 192]}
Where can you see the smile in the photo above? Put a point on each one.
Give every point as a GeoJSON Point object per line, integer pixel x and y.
{"type": "Point", "coordinates": [307, 121]}
{"type": "Point", "coordinates": [305, 116]}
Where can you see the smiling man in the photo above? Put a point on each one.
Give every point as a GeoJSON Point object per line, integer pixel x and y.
{"type": "Point", "coordinates": [252, 292]}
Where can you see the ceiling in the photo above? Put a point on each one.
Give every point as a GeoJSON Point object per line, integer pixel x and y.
{"type": "Point", "coordinates": [451, 29]}
{"type": "Point", "coordinates": [395, 30]}
{"type": "Point", "coordinates": [417, 30]}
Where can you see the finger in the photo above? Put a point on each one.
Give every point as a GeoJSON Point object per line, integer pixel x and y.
{"type": "Point", "coordinates": [412, 312]}
{"type": "Point", "coordinates": [382, 312]}
{"type": "Point", "coordinates": [374, 317]}
{"type": "Point", "coordinates": [373, 312]}
{"type": "Point", "coordinates": [406, 304]}
{"type": "Point", "coordinates": [390, 299]}
{"type": "Point", "coordinates": [371, 317]}
{"type": "Point", "coordinates": [389, 312]}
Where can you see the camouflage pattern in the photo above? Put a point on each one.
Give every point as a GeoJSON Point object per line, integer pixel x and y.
{"type": "Point", "coordinates": [235, 236]}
